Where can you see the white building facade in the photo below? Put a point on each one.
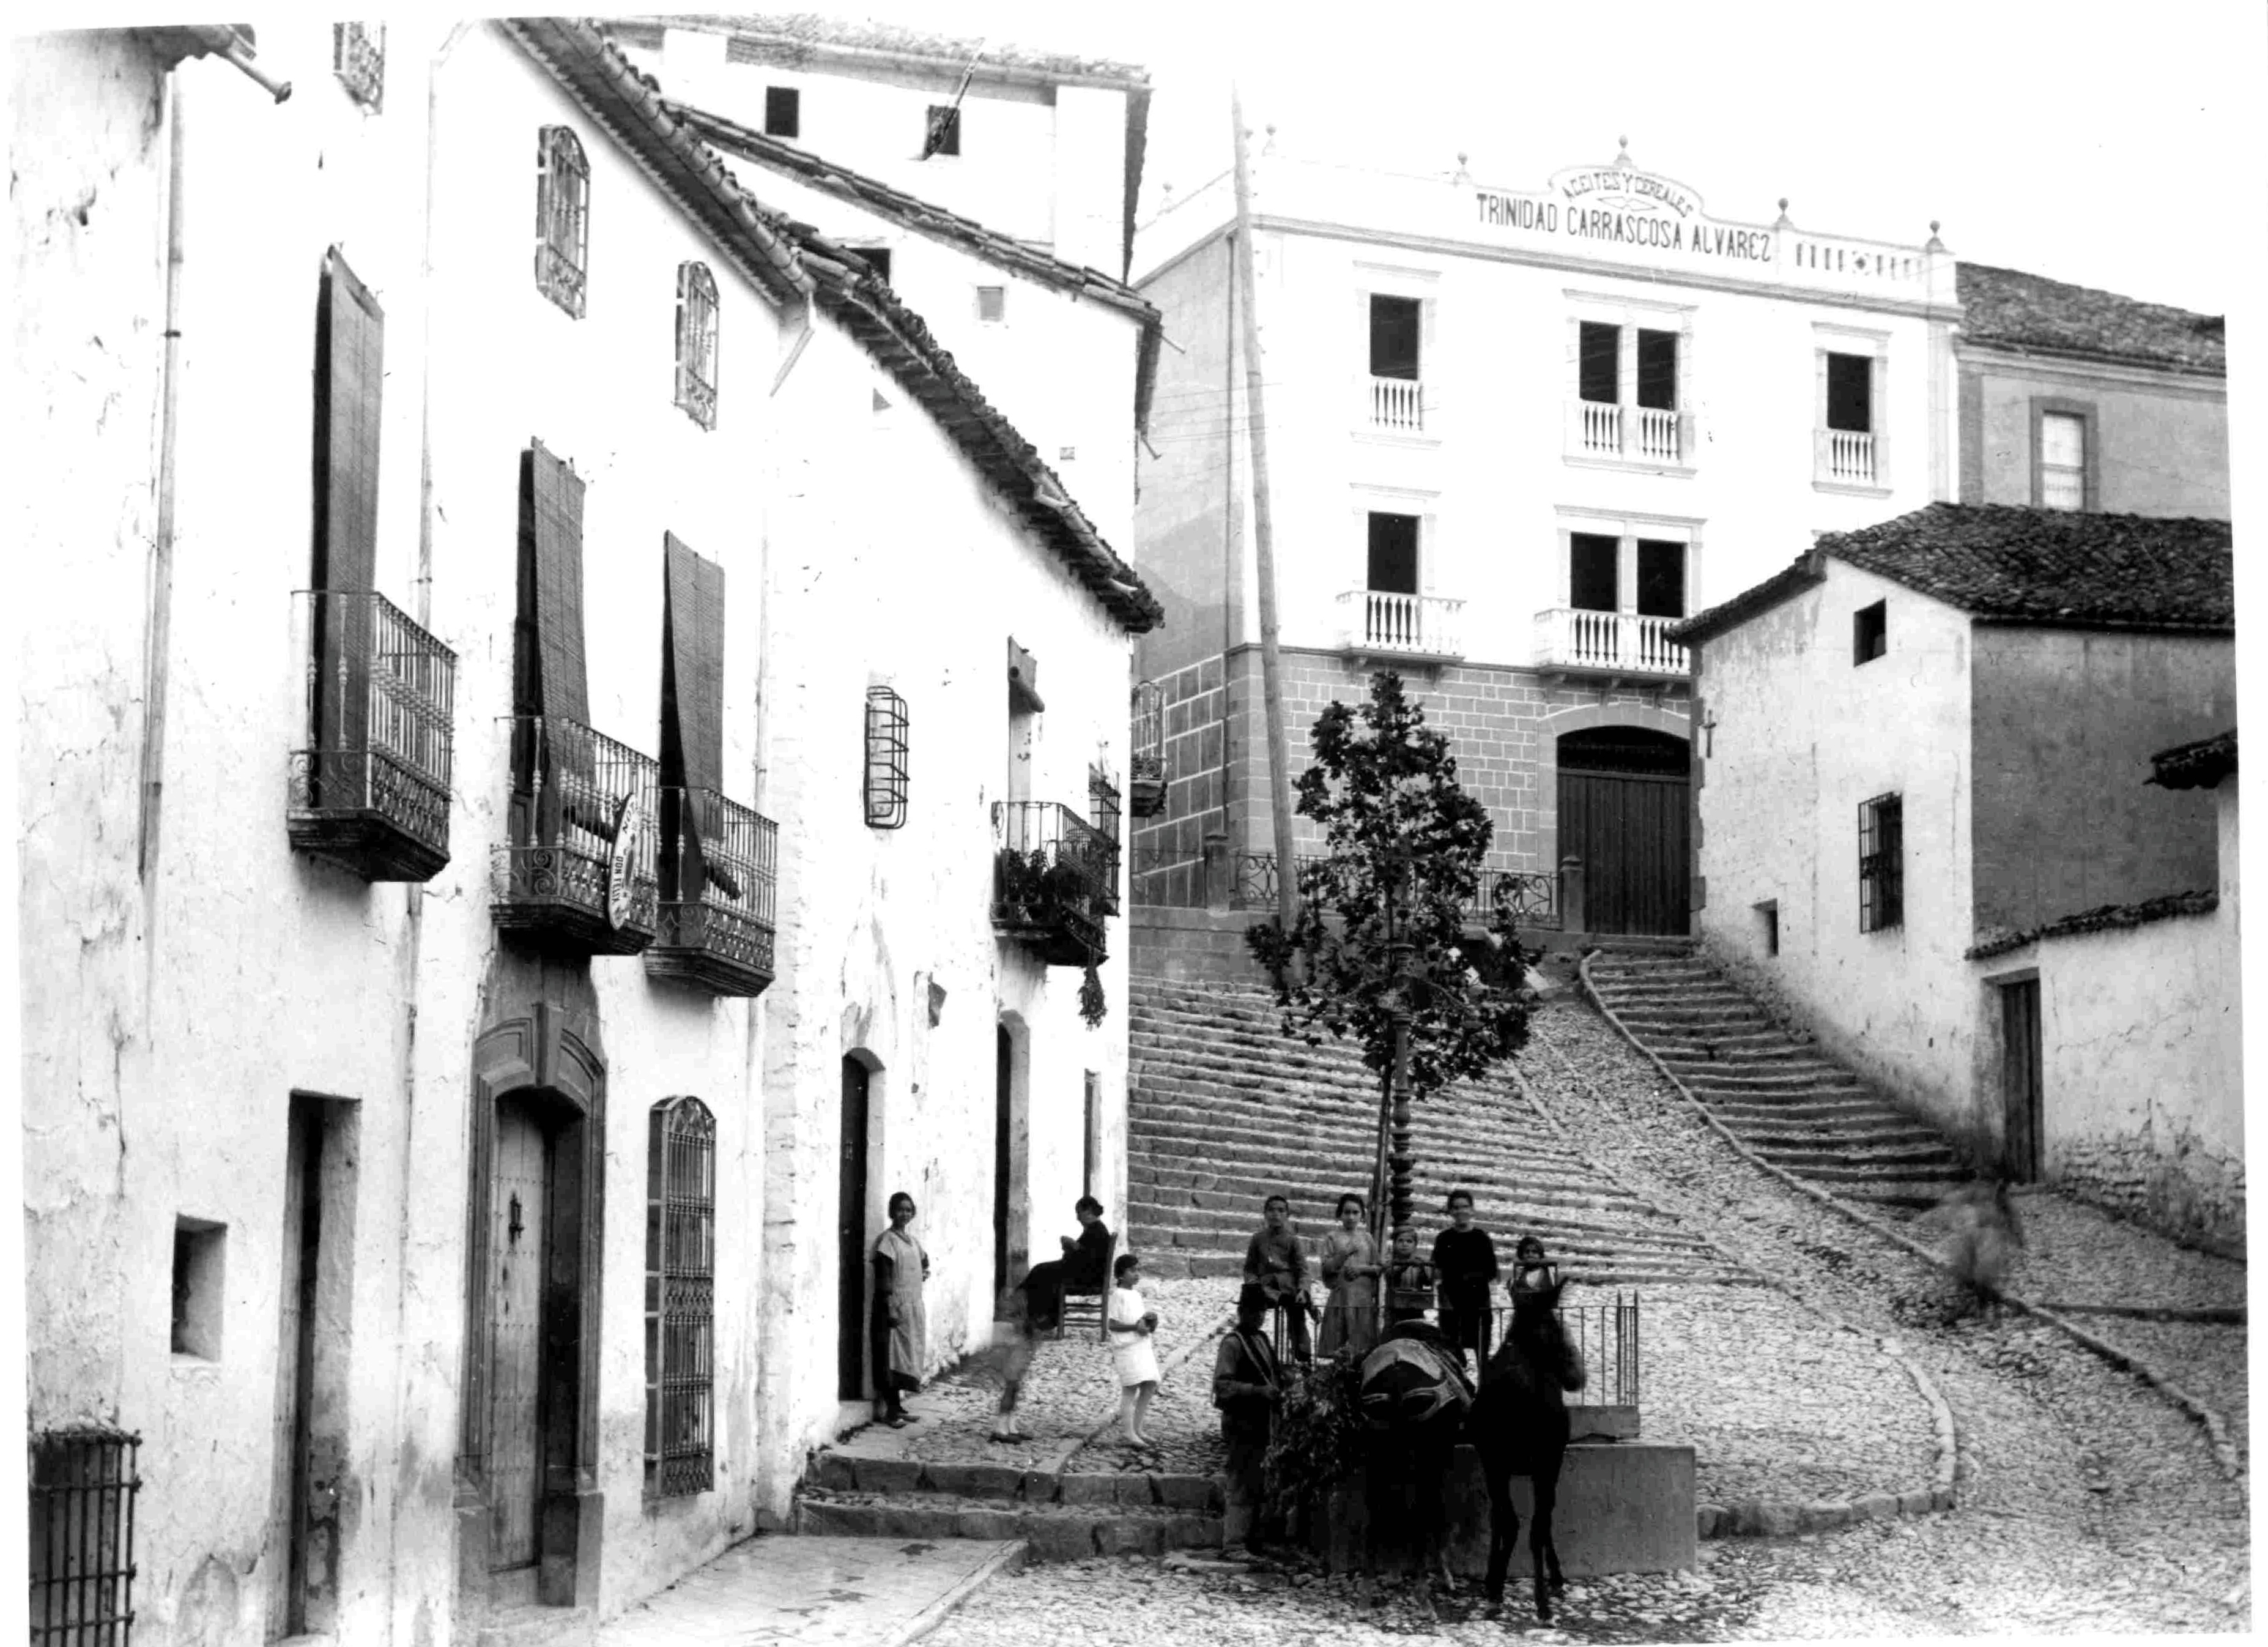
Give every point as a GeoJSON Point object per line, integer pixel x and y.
{"type": "Point", "coordinates": [1513, 434]}
{"type": "Point", "coordinates": [447, 947]}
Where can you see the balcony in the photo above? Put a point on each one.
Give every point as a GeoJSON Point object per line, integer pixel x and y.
{"type": "Point", "coordinates": [1847, 457]}
{"type": "Point", "coordinates": [1397, 405]}
{"type": "Point", "coordinates": [718, 892]}
{"type": "Point", "coordinates": [370, 791]}
{"type": "Point", "coordinates": [1053, 878]}
{"type": "Point", "coordinates": [1601, 433]}
{"type": "Point", "coordinates": [1145, 767]}
{"type": "Point", "coordinates": [1607, 643]}
{"type": "Point", "coordinates": [577, 868]}
{"type": "Point", "coordinates": [1415, 628]}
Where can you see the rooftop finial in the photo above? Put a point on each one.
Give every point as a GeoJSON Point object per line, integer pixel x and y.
{"type": "Point", "coordinates": [1462, 176]}
{"type": "Point", "coordinates": [1935, 245]}
{"type": "Point", "coordinates": [1784, 221]}
{"type": "Point", "coordinates": [1623, 159]}
{"type": "Point", "coordinates": [1269, 147]}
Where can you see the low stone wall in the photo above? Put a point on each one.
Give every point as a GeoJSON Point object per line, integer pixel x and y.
{"type": "Point", "coordinates": [1623, 1507]}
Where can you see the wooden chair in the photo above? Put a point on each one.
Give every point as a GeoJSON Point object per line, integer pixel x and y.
{"type": "Point", "coordinates": [1082, 1306]}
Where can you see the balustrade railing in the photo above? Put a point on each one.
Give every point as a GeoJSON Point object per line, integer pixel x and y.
{"type": "Point", "coordinates": [1599, 428]}
{"type": "Point", "coordinates": [718, 892]}
{"type": "Point", "coordinates": [578, 858]}
{"type": "Point", "coordinates": [1420, 625]}
{"type": "Point", "coordinates": [1055, 878]}
{"type": "Point", "coordinates": [370, 787]}
{"type": "Point", "coordinates": [1847, 457]}
{"type": "Point", "coordinates": [1397, 403]}
{"type": "Point", "coordinates": [1657, 435]}
{"type": "Point", "coordinates": [1622, 642]}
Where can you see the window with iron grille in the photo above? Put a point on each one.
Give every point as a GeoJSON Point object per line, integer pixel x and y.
{"type": "Point", "coordinates": [1881, 863]}
{"type": "Point", "coordinates": [359, 58]}
{"type": "Point", "coordinates": [681, 1266]}
{"type": "Point", "coordinates": [84, 1483]}
{"type": "Point", "coordinates": [562, 217]}
{"type": "Point", "coordinates": [697, 342]}
{"type": "Point", "coordinates": [886, 759]}
{"type": "Point", "coordinates": [1104, 809]}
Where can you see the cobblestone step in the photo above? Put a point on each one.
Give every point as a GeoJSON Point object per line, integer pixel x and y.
{"type": "Point", "coordinates": [1056, 1532]}
{"type": "Point", "coordinates": [1777, 1091]}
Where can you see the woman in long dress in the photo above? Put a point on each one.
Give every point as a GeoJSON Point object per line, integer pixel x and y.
{"type": "Point", "coordinates": [901, 1267]}
{"type": "Point", "coordinates": [1350, 1270]}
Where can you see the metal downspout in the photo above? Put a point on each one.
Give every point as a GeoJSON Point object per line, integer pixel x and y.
{"type": "Point", "coordinates": [159, 638]}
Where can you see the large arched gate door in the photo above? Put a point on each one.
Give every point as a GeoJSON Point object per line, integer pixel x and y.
{"type": "Point", "coordinates": [1624, 793]}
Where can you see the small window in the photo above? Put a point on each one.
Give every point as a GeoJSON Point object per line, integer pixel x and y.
{"type": "Point", "coordinates": [697, 342]}
{"type": "Point", "coordinates": [1661, 579]}
{"type": "Point", "coordinates": [2063, 461]}
{"type": "Point", "coordinates": [943, 131]}
{"type": "Point", "coordinates": [1599, 363]}
{"type": "Point", "coordinates": [1881, 863]}
{"type": "Point", "coordinates": [681, 1286]}
{"type": "Point", "coordinates": [359, 58]}
{"type": "Point", "coordinates": [1593, 562]}
{"type": "Point", "coordinates": [876, 258]}
{"type": "Point", "coordinates": [992, 303]}
{"type": "Point", "coordinates": [782, 111]}
{"type": "Point", "coordinates": [1850, 393]}
{"type": "Point", "coordinates": [1768, 914]}
{"type": "Point", "coordinates": [1393, 560]}
{"type": "Point", "coordinates": [199, 1284]}
{"type": "Point", "coordinates": [562, 217]}
{"type": "Point", "coordinates": [1870, 633]}
{"type": "Point", "coordinates": [1657, 370]}
{"type": "Point", "coordinates": [1395, 323]}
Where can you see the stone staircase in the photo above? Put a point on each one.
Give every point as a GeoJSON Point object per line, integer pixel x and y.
{"type": "Point", "coordinates": [1224, 1110]}
{"type": "Point", "coordinates": [1796, 1107]}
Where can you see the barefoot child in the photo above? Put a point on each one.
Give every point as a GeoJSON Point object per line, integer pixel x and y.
{"type": "Point", "coordinates": [1132, 1324]}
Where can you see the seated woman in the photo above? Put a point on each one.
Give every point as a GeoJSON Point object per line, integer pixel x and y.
{"type": "Point", "coordinates": [1085, 1267]}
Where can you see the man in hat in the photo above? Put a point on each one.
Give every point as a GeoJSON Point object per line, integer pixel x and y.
{"type": "Point", "coordinates": [1248, 1383]}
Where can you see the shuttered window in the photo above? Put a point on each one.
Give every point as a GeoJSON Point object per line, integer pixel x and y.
{"type": "Point", "coordinates": [549, 674]}
{"type": "Point", "coordinates": [349, 346]}
{"type": "Point", "coordinates": [2063, 461]}
{"type": "Point", "coordinates": [692, 718]}
{"type": "Point", "coordinates": [680, 1285]}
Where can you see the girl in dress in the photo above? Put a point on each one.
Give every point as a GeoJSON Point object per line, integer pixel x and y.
{"type": "Point", "coordinates": [1350, 1270]}
{"type": "Point", "coordinates": [1132, 1324]}
{"type": "Point", "coordinates": [901, 1267]}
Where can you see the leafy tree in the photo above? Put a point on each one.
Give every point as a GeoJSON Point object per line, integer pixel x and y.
{"type": "Point", "coordinates": [1404, 839]}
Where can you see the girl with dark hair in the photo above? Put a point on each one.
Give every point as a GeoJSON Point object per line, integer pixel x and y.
{"type": "Point", "coordinates": [901, 1267]}
{"type": "Point", "coordinates": [1350, 1270]}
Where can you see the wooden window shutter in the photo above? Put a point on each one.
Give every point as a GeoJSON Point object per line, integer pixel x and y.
{"type": "Point", "coordinates": [550, 676]}
{"type": "Point", "coordinates": [349, 342]}
{"type": "Point", "coordinates": [693, 669]}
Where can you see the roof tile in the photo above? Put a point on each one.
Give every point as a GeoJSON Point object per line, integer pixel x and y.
{"type": "Point", "coordinates": [2009, 308]}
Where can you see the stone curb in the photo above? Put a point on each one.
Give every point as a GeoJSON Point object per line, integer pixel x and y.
{"type": "Point", "coordinates": [1769, 1518]}
{"type": "Point", "coordinates": [1005, 1560]}
{"type": "Point", "coordinates": [2216, 1430]}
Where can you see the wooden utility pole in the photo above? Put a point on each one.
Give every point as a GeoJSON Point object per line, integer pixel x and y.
{"type": "Point", "coordinates": [1272, 689]}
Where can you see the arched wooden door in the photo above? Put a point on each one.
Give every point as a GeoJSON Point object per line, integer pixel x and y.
{"type": "Point", "coordinates": [851, 1238]}
{"type": "Point", "coordinates": [1624, 795]}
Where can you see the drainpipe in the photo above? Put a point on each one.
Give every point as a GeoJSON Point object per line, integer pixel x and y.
{"type": "Point", "coordinates": [161, 547]}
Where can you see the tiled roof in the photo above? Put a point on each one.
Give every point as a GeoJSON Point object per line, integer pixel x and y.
{"type": "Point", "coordinates": [793, 261]}
{"type": "Point", "coordinates": [2109, 918]}
{"type": "Point", "coordinates": [2198, 765]}
{"type": "Point", "coordinates": [2010, 309]}
{"type": "Point", "coordinates": [2056, 567]}
{"type": "Point", "coordinates": [808, 29]}
{"type": "Point", "coordinates": [921, 216]}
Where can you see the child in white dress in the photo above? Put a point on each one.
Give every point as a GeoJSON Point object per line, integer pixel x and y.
{"type": "Point", "coordinates": [1132, 1324]}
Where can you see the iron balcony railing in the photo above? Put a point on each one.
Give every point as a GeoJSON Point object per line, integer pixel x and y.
{"type": "Point", "coordinates": [718, 892]}
{"type": "Point", "coordinates": [1165, 877]}
{"type": "Point", "coordinates": [369, 787]}
{"type": "Point", "coordinates": [578, 862]}
{"type": "Point", "coordinates": [1620, 643]}
{"type": "Point", "coordinates": [1145, 766]}
{"type": "Point", "coordinates": [1054, 876]}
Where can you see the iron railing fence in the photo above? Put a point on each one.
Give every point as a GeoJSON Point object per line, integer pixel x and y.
{"type": "Point", "coordinates": [1605, 1333]}
{"type": "Point", "coordinates": [1055, 877]}
{"type": "Point", "coordinates": [84, 1482]}
{"type": "Point", "coordinates": [719, 878]}
{"type": "Point", "coordinates": [579, 850]}
{"type": "Point", "coordinates": [1166, 877]}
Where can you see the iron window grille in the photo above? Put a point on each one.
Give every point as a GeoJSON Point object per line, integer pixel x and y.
{"type": "Point", "coordinates": [1881, 863]}
{"type": "Point", "coordinates": [697, 342]}
{"type": "Point", "coordinates": [562, 217]}
{"type": "Point", "coordinates": [1103, 808]}
{"type": "Point", "coordinates": [359, 58]}
{"type": "Point", "coordinates": [680, 1285]}
{"type": "Point", "coordinates": [84, 1481]}
{"type": "Point", "coordinates": [886, 759]}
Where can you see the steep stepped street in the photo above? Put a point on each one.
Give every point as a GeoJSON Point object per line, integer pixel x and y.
{"type": "Point", "coordinates": [1785, 1099]}
{"type": "Point", "coordinates": [1224, 1110]}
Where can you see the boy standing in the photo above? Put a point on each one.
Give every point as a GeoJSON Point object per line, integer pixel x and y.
{"type": "Point", "coordinates": [1278, 1263]}
{"type": "Point", "coordinates": [1247, 1385]}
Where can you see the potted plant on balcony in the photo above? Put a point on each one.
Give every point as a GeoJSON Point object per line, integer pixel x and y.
{"type": "Point", "coordinates": [1145, 786]}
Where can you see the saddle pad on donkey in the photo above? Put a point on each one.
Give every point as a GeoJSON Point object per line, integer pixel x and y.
{"type": "Point", "coordinates": [1408, 1382]}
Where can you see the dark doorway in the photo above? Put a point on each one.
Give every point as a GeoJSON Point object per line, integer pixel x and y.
{"type": "Point", "coordinates": [295, 1369]}
{"type": "Point", "coordinates": [851, 1238]}
{"type": "Point", "coordinates": [2020, 1077]}
{"type": "Point", "coordinates": [519, 1209]}
{"type": "Point", "coordinates": [1592, 563]}
{"type": "Point", "coordinates": [1394, 329]}
{"type": "Point", "coordinates": [1393, 554]}
{"type": "Point", "coordinates": [1623, 793]}
{"type": "Point", "coordinates": [1661, 579]}
{"type": "Point", "coordinates": [1003, 1138]}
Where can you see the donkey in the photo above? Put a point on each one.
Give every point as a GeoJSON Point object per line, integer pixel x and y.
{"type": "Point", "coordinates": [1414, 1399]}
{"type": "Point", "coordinates": [1518, 1426]}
